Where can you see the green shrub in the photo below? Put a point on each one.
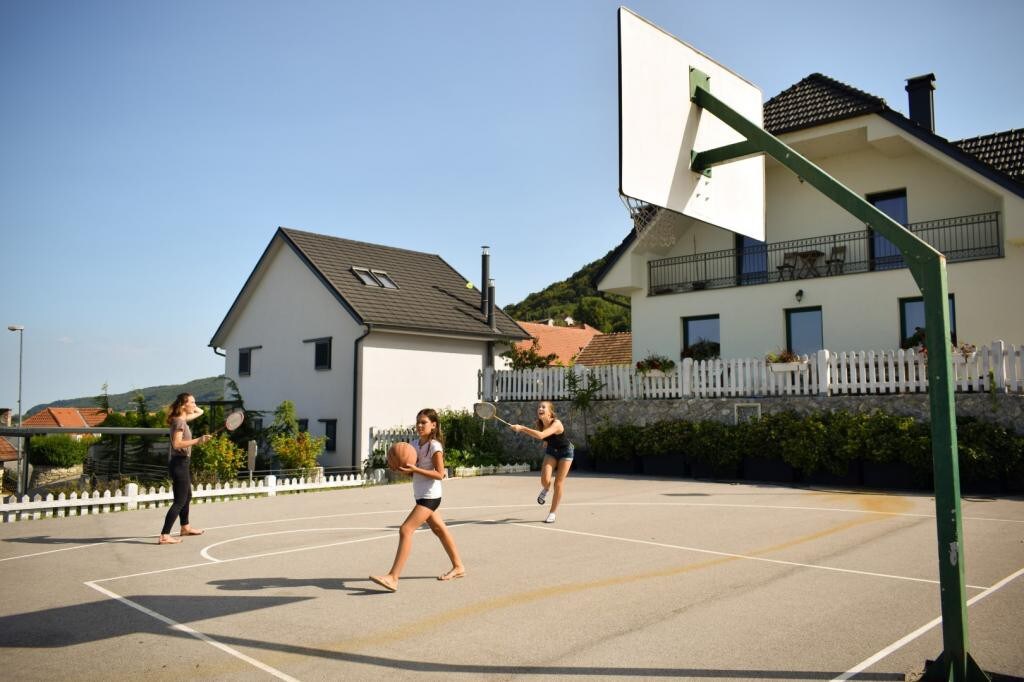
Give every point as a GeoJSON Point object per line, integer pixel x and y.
{"type": "Point", "coordinates": [464, 431]}
{"type": "Point", "coordinates": [615, 441]}
{"type": "Point", "coordinates": [666, 437]}
{"type": "Point", "coordinates": [220, 458]}
{"type": "Point", "coordinates": [713, 443]}
{"type": "Point", "coordinates": [299, 451]}
{"type": "Point", "coordinates": [987, 451]}
{"type": "Point", "coordinates": [58, 450]}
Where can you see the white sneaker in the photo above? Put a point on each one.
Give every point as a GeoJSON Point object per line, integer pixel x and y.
{"type": "Point", "coordinates": [550, 518]}
{"type": "Point", "coordinates": [543, 496]}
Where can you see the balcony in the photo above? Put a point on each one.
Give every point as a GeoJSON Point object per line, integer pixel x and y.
{"type": "Point", "coordinates": [963, 238]}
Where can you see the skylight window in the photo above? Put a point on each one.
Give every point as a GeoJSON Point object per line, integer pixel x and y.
{"type": "Point", "coordinates": [384, 279]}
{"type": "Point", "coordinates": [374, 278]}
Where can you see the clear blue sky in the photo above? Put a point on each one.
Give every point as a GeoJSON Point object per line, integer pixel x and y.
{"type": "Point", "coordinates": [150, 149]}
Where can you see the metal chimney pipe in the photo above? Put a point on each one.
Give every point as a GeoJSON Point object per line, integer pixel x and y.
{"type": "Point", "coordinates": [490, 306]}
{"type": "Point", "coordinates": [921, 101]}
{"type": "Point", "coordinates": [485, 277]}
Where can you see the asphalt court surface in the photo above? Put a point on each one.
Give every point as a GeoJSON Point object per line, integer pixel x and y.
{"type": "Point", "coordinates": [638, 578]}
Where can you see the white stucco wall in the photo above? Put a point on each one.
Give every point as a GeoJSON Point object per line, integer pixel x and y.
{"type": "Point", "coordinates": [288, 305]}
{"type": "Point", "coordinates": [403, 374]}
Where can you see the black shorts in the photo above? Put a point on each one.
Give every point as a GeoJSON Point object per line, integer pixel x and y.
{"type": "Point", "coordinates": [430, 503]}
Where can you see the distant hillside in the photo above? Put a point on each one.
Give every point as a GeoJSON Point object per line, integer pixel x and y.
{"type": "Point", "coordinates": [576, 297]}
{"type": "Point", "coordinates": [211, 388]}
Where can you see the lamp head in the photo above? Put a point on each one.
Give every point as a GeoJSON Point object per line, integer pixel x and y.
{"type": "Point", "coordinates": [799, 295]}
{"type": "Point", "coordinates": [15, 328]}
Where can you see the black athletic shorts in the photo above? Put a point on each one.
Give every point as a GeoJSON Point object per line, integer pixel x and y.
{"type": "Point", "coordinates": [430, 503]}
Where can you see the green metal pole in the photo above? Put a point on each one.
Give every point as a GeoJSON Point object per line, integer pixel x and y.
{"type": "Point", "coordinates": [928, 267]}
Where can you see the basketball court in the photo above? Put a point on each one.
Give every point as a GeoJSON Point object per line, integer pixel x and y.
{"type": "Point", "coordinates": [639, 577]}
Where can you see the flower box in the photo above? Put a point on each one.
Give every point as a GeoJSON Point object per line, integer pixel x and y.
{"type": "Point", "coordinates": [787, 366]}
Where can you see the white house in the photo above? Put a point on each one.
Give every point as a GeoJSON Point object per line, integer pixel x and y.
{"type": "Point", "coordinates": [821, 280]}
{"type": "Point", "coordinates": [357, 335]}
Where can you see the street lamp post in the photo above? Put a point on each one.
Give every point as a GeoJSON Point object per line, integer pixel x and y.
{"type": "Point", "coordinates": [22, 465]}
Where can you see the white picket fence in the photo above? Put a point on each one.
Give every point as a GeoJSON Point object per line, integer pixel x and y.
{"type": "Point", "coordinates": [997, 367]}
{"type": "Point", "coordinates": [132, 497]}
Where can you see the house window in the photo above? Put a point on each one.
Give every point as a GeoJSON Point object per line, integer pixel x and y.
{"type": "Point", "coordinates": [883, 253]}
{"type": "Point", "coordinates": [701, 339]}
{"type": "Point", "coordinates": [803, 330]}
{"type": "Point", "coordinates": [751, 261]}
{"type": "Point", "coordinates": [303, 425]}
{"type": "Point", "coordinates": [331, 431]}
{"type": "Point", "coordinates": [245, 360]}
{"type": "Point", "coordinates": [912, 319]}
{"type": "Point", "coordinates": [384, 279]}
{"type": "Point", "coordinates": [365, 277]}
{"type": "Point", "coordinates": [321, 352]}
{"type": "Point", "coordinates": [257, 424]}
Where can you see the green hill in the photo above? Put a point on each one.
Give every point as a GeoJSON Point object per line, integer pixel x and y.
{"type": "Point", "coordinates": [576, 297]}
{"type": "Point", "coordinates": [211, 388]}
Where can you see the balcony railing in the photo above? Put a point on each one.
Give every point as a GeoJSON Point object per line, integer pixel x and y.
{"type": "Point", "coordinates": [963, 238]}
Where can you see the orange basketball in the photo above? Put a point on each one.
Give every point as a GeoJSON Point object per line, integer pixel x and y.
{"type": "Point", "coordinates": [401, 454]}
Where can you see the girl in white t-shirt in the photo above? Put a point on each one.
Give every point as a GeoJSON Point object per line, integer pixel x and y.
{"type": "Point", "coordinates": [426, 488]}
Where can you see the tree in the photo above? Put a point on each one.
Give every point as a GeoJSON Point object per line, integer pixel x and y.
{"type": "Point", "coordinates": [583, 392]}
{"type": "Point", "coordinates": [528, 358]}
{"type": "Point", "coordinates": [103, 399]}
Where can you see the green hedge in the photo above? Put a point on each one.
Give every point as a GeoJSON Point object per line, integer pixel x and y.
{"type": "Point", "coordinates": [819, 442]}
{"type": "Point", "coordinates": [58, 450]}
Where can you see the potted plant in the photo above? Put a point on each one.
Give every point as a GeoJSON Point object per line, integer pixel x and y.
{"type": "Point", "coordinates": [784, 360]}
{"type": "Point", "coordinates": [655, 363]}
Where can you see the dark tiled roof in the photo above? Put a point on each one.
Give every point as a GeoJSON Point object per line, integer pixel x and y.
{"type": "Point", "coordinates": [607, 349]}
{"type": "Point", "coordinates": [816, 100]}
{"type": "Point", "coordinates": [1003, 151]}
{"type": "Point", "coordinates": [431, 296]}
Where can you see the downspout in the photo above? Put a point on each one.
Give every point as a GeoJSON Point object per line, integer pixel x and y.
{"type": "Point", "coordinates": [215, 352]}
{"type": "Point", "coordinates": [357, 381]}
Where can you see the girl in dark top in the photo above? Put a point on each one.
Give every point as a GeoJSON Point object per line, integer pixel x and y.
{"type": "Point", "coordinates": [182, 411]}
{"type": "Point", "coordinates": [557, 454]}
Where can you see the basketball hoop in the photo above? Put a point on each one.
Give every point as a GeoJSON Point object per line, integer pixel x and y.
{"type": "Point", "coordinates": [640, 212]}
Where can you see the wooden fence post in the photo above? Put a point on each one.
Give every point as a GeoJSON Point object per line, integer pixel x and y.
{"type": "Point", "coordinates": [824, 373]}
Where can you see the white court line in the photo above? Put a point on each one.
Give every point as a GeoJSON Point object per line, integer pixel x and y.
{"type": "Point", "coordinates": [900, 643]}
{"type": "Point", "coordinates": [175, 625]}
{"type": "Point", "coordinates": [205, 553]}
{"type": "Point", "coordinates": [743, 556]}
{"type": "Point", "coordinates": [513, 506]}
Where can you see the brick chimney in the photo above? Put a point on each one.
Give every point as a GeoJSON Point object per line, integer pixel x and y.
{"type": "Point", "coordinates": [921, 101]}
{"type": "Point", "coordinates": [5, 416]}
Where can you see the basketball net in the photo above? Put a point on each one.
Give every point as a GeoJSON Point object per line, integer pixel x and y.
{"type": "Point", "coordinates": [655, 226]}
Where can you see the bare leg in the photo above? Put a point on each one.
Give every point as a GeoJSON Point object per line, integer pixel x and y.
{"type": "Point", "coordinates": [416, 518]}
{"type": "Point", "coordinates": [563, 471]}
{"type": "Point", "coordinates": [437, 525]}
{"type": "Point", "coordinates": [546, 469]}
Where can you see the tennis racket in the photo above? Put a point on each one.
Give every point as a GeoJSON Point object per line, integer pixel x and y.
{"type": "Point", "coordinates": [488, 411]}
{"type": "Point", "coordinates": [232, 421]}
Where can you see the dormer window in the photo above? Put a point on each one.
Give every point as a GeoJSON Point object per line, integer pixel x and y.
{"type": "Point", "coordinates": [374, 278]}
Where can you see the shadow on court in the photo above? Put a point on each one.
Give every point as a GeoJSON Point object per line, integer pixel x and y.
{"type": "Point", "coordinates": [52, 540]}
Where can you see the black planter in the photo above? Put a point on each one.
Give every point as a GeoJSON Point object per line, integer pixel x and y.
{"type": "Point", "coordinates": [702, 469]}
{"type": "Point", "coordinates": [982, 486]}
{"type": "Point", "coordinates": [631, 465]}
{"type": "Point", "coordinates": [852, 477]}
{"type": "Point", "coordinates": [674, 464]}
{"type": "Point", "coordinates": [770, 470]}
{"type": "Point", "coordinates": [1015, 481]}
{"type": "Point", "coordinates": [582, 460]}
{"type": "Point", "coordinates": [894, 476]}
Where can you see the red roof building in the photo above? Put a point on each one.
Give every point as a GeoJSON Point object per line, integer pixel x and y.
{"type": "Point", "coordinates": [607, 349]}
{"type": "Point", "coordinates": [67, 417]}
{"type": "Point", "coordinates": [564, 342]}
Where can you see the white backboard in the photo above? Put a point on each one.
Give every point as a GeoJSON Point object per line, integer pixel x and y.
{"type": "Point", "coordinates": [659, 126]}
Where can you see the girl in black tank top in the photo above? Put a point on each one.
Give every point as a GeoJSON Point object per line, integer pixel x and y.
{"type": "Point", "coordinates": [558, 454]}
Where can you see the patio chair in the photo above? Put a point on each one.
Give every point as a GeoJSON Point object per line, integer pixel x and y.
{"type": "Point", "coordinates": [836, 260]}
{"type": "Point", "coordinates": [788, 265]}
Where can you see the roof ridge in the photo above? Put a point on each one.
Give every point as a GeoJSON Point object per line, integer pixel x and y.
{"type": "Point", "coordinates": [292, 230]}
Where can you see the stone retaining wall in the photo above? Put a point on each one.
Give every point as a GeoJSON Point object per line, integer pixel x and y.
{"type": "Point", "coordinates": [1005, 409]}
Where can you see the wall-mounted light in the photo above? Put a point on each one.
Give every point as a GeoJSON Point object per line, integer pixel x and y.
{"type": "Point", "coordinates": [799, 295]}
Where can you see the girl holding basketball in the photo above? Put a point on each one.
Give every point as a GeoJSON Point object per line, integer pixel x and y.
{"type": "Point", "coordinates": [427, 474]}
{"type": "Point", "coordinates": [557, 454]}
{"type": "Point", "coordinates": [182, 411]}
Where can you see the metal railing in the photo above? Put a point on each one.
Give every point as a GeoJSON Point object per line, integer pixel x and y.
{"type": "Point", "coordinates": [962, 238]}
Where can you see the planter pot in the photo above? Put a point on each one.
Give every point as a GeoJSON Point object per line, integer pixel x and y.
{"type": "Point", "coordinates": [631, 465]}
{"type": "Point", "coordinates": [582, 460]}
{"type": "Point", "coordinates": [787, 366]}
{"type": "Point", "coordinates": [982, 486]}
{"type": "Point", "coordinates": [673, 464]}
{"type": "Point", "coordinates": [852, 477]}
{"type": "Point", "coordinates": [701, 469]}
{"type": "Point", "coordinates": [1015, 481]}
{"type": "Point", "coordinates": [893, 476]}
{"type": "Point", "coordinates": [771, 470]}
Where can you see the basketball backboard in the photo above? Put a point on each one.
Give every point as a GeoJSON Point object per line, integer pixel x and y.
{"type": "Point", "coordinates": [659, 126]}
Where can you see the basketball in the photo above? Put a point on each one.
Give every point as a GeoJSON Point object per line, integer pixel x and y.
{"type": "Point", "coordinates": [401, 454]}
